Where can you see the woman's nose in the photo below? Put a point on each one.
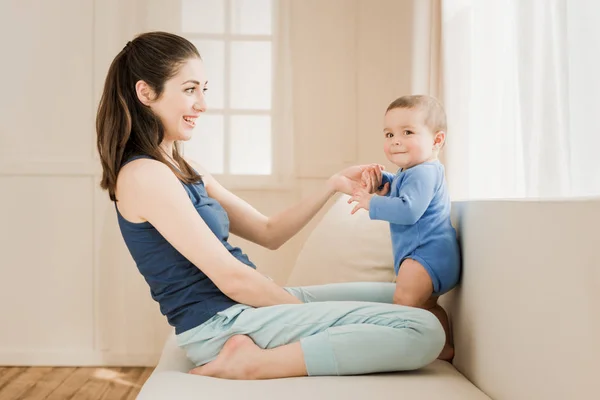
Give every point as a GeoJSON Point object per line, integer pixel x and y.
{"type": "Point", "coordinates": [200, 105]}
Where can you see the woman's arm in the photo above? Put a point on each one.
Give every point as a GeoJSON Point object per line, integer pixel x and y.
{"type": "Point", "coordinates": [272, 232]}
{"type": "Point", "coordinates": [156, 194]}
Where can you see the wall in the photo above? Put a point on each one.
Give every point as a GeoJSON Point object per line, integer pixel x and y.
{"type": "Point", "coordinates": [69, 291]}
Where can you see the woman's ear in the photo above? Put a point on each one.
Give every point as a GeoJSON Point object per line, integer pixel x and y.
{"type": "Point", "coordinates": [439, 140]}
{"type": "Point", "coordinates": [144, 93]}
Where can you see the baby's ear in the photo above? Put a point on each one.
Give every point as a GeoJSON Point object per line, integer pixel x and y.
{"type": "Point", "coordinates": [439, 139]}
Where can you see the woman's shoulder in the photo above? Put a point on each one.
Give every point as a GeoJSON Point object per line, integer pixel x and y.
{"type": "Point", "coordinates": [138, 180]}
{"type": "Point", "coordinates": [143, 171]}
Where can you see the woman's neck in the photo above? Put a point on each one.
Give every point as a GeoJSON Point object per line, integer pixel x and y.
{"type": "Point", "coordinates": [167, 148]}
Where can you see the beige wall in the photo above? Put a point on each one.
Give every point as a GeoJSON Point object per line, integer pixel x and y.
{"type": "Point", "coordinates": [350, 59]}
{"type": "Point", "coordinates": [69, 291]}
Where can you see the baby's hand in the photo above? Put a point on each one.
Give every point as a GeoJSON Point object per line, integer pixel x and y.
{"type": "Point", "coordinates": [362, 197]}
{"type": "Point", "coordinates": [370, 178]}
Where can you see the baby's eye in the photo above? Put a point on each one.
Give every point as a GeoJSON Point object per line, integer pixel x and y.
{"type": "Point", "coordinates": [389, 135]}
{"type": "Point", "coordinates": [407, 132]}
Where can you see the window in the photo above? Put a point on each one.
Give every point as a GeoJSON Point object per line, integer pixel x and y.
{"type": "Point", "coordinates": [238, 41]}
{"type": "Point", "coordinates": [520, 88]}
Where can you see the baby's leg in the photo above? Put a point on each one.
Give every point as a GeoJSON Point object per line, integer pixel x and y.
{"type": "Point", "coordinates": [414, 288]}
{"type": "Point", "coordinates": [431, 305]}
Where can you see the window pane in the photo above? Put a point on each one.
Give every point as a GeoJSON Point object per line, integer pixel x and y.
{"type": "Point", "coordinates": [251, 75]}
{"type": "Point", "coordinates": [202, 16]}
{"type": "Point", "coordinates": [250, 145]}
{"type": "Point", "coordinates": [251, 17]}
{"type": "Point", "coordinates": [213, 55]}
{"type": "Point", "coordinates": [206, 145]}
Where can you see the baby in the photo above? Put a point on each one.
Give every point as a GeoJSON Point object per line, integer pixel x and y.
{"type": "Point", "coordinates": [416, 203]}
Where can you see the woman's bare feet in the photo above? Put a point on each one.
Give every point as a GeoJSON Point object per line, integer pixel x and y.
{"type": "Point", "coordinates": [241, 358]}
{"type": "Point", "coordinates": [235, 361]}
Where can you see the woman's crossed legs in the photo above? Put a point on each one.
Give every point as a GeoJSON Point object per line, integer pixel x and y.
{"type": "Point", "coordinates": [341, 329]}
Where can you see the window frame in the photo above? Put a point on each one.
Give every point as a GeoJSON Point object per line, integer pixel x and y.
{"type": "Point", "coordinates": [280, 111]}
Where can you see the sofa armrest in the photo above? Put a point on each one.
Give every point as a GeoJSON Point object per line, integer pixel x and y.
{"type": "Point", "coordinates": [525, 316]}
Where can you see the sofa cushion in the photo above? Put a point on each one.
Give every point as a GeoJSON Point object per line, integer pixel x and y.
{"type": "Point", "coordinates": [345, 248]}
{"type": "Point", "coordinates": [439, 380]}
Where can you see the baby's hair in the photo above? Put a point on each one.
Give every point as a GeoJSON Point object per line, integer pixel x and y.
{"type": "Point", "coordinates": [435, 116]}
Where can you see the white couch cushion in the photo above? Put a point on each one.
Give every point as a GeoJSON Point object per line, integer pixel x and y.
{"type": "Point", "coordinates": [345, 248]}
{"type": "Point", "coordinates": [437, 381]}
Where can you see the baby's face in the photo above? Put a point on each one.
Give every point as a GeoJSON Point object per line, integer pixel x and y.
{"type": "Point", "coordinates": [408, 141]}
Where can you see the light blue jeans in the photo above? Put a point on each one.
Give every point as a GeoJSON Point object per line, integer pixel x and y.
{"type": "Point", "coordinates": [343, 329]}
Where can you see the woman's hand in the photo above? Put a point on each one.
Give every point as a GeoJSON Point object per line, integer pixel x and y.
{"type": "Point", "coordinates": [370, 183]}
{"type": "Point", "coordinates": [371, 180]}
{"type": "Point", "coordinates": [350, 179]}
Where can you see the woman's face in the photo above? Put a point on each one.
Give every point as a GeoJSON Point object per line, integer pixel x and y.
{"type": "Point", "coordinates": [182, 101]}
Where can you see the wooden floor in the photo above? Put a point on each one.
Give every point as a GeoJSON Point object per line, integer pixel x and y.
{"type": "Point", "coordinates": [54, 383]}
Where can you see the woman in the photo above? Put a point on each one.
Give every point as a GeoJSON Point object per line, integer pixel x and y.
{"type": "Point", "coordinates": [175, 218]}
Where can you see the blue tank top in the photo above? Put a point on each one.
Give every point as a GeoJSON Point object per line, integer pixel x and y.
{"type": "Point", "coordinates": [187, 297]}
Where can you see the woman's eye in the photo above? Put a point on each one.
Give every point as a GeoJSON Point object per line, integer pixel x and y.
{"type": "Point", "coordinates": [204, 90]}
{"type": "Point", "coordinates": [190, 90]}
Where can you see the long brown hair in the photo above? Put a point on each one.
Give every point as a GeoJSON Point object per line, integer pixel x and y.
{"type": "Point", "coordinates": [124, 125]}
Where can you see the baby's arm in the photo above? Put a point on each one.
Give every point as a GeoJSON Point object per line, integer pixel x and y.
{"type": "Point", "coordinates": [414, 195]}
{"type": "Point", "coordinates": [386, 179]}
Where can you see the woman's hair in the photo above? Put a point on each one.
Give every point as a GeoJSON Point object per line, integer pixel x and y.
{"type": "Point", "coordinates": [124, 125]}
{"type": "Point", "coordinates": [435, 116]}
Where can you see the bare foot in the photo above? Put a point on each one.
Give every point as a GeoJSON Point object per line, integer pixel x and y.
{"type": "Point", "coordinates": [234, 361]}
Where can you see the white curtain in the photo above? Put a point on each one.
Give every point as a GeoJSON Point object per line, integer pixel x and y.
{"type": "Point", "coordinates": [521, 86]}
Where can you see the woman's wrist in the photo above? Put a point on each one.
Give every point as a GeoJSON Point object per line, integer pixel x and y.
{"type": "Point", "coordinates": [331, 186]}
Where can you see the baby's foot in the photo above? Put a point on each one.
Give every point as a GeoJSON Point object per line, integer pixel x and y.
{"type": "Point", "coordinates": [447, 353]}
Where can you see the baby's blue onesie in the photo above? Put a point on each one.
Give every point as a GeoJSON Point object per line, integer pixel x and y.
{"type": "Point", "coordinates": [417, 207]}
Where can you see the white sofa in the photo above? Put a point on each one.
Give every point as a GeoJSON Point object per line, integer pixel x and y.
{"type": "Point", "coordinates": [525, 317]}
